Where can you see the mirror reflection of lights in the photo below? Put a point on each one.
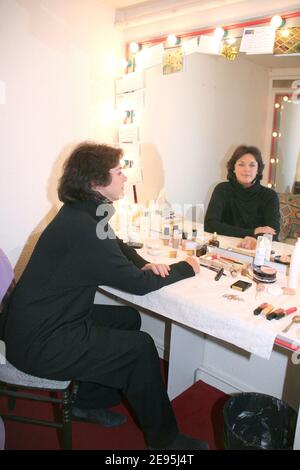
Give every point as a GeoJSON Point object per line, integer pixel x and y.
{"type": "Point", "coordinates": [269, 185]}
{"type": "Point", "coordinates": [231, 41]}
{"type": "Point", "coordinates": [274, 134]}
{"type": "Point", "coordinates": [277, 160]}
{"type": "Point", "coordinates": [279, 134]}
{"type": "Point", "coordinates": [285, 33]}
{"type": "Point", "coordinates": [277, 105]}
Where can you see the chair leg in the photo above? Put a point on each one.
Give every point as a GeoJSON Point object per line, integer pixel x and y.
{"type": "Point", "coordinates": [67, 422]}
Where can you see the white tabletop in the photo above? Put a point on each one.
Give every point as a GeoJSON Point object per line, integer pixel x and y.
{"type": "Point", "coordinates": [199, 302]}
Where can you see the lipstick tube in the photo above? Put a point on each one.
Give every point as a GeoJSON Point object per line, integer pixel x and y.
{"type": "Point", "coordinates": [290, 310]}
{"type": "Point", "coordinates": [259, 309]}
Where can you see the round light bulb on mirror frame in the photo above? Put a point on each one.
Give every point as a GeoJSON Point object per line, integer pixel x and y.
{"type": "Point", "coordinates": [277, 105]}
{"type": "Point", "coordinates": [134, 47]}
{"type": "Point", "coordinates": [272, 160]}
{"type": "Point", "coordinates": [269, 185]}
{"type": "Point", "coordinates": [173, 40]}
{"type": "Point", "coordinates": [219, 32]}
{"type": "Point", "coordinates": [285, 98]}
{"type": "Point", "coordinates": [277, 21]}
{"type": "Point", "coordinates": [275, 134]}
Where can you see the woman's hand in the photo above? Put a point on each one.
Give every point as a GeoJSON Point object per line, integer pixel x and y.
{"type": "Point", "coordinates": [158, 269]}
{"type": "Point", "coordinates": [194, 263]}
{"type": "Point", "coordinates": [265, 229]}
{"type": "Point", "coordinates": [248, 242]}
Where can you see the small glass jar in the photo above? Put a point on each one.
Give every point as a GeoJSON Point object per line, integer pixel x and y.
{"type": "Point", "coordinates": [214, 240]}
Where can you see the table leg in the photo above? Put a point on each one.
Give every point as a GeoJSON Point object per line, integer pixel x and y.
{"type": "Point", "coordinates": [186, 355]}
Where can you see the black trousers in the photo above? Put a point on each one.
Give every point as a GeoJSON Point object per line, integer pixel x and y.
{"type": "Point", "coordinates": [130, 366]}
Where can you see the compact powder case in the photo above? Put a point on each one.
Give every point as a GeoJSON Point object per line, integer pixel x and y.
{"type": "Point", "coordinates": [264, 274]}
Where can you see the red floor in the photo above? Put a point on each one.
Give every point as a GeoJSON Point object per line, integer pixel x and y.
{"type": "Point", "coordinates": [198, 411]}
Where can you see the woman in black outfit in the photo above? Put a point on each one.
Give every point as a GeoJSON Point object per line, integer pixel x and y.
{"type": "Point", "coordinates": [242, 207]}
{"type": "Point", "coordinates": [54, 330]}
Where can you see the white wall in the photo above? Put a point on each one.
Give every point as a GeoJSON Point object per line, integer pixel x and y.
{"type": "Point", "coordinates": [193, 120]}
{"type": "Point", "coordinates": [57, 65]}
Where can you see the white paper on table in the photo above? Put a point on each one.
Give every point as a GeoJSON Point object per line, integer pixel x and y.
{"type": "Point", "coordinates": [128, 133]}
{"type": "Point", "coordinates": [131, 150]}
{"type": "Point", "coordinates": [149, 56]}
{"type": "Point", "coordinates": [190, 46]}
{"type": "Point", "coordinates": [209, 44]}
{"type": "Point", "coordinates": [129, 101]}
{"type": "Point", "coordinates": [130, 82]}
{"type": "Point", "coordinates": [258, 40]}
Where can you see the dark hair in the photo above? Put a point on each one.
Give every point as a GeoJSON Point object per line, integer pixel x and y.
{"type": "Point", "coordinates": [88, 165]}
{"type": "Point", "coordinates": [240, 152]}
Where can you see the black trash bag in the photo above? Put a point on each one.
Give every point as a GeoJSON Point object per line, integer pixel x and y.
{"type": "Point", "coordinates": [257, 421]}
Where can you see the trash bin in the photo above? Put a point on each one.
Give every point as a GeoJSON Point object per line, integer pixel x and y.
{"type": "Point", "coordinates": [255, 421]}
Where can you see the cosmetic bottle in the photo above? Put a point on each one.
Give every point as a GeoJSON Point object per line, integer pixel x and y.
{"type": "Point", "coordinates": [214, 240]}
{"type": "Point", "coordinates": [183, 240]}
{"type": "Point", "coordinates": [166, 235]}
{"type": "Point", "coordinates": [294, 272]}
{"type": "Point", "coordinates": [176, 238]}
{"type": "Point", "coordinates": [260, 251]}
{"type": "Point", "coordinates": [268, 237]}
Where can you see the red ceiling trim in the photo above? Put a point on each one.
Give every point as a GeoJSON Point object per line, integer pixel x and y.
{"type": "Point", "coordinates": [244, 24]}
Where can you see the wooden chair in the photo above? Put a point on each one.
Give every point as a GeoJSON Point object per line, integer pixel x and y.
{"type": "Point", "coordinates": [17, 384]}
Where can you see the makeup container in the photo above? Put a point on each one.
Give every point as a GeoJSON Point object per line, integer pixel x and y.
{"type": "Point", "coordinates": [264, 274]}
{"type": "Point", "coordinates": [166, 236]}
{"type": "Point", "coordinates": [268, 309]}
{"type": "Point", "coordinates": [268, 237]}
{"type": "Point", "coordinates": [190, 247]}
{"type": "Point", "coordinates": [201, 250]}
{"type": "Point", "coordinates": [176, 238]}
{"type": "Point", "coordinates": [184, 238]}
{"type": "Point", "coordinates": [260, 251]}
{"type": "Point", "coordinates": [214, 240]}
{"type": "Point", "coordinates": [259, 309]}
{"type": "Point", "coordinates": [276, 314]}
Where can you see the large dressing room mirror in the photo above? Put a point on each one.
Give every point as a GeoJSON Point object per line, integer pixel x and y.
{"type": "Point", "coordinates": [284, 112]}
{"type": "Point", "coordinates": [285, 144]}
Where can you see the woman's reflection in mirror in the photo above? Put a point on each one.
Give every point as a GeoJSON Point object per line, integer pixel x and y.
{"type": "Point", "coordinates": [242, 207]}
